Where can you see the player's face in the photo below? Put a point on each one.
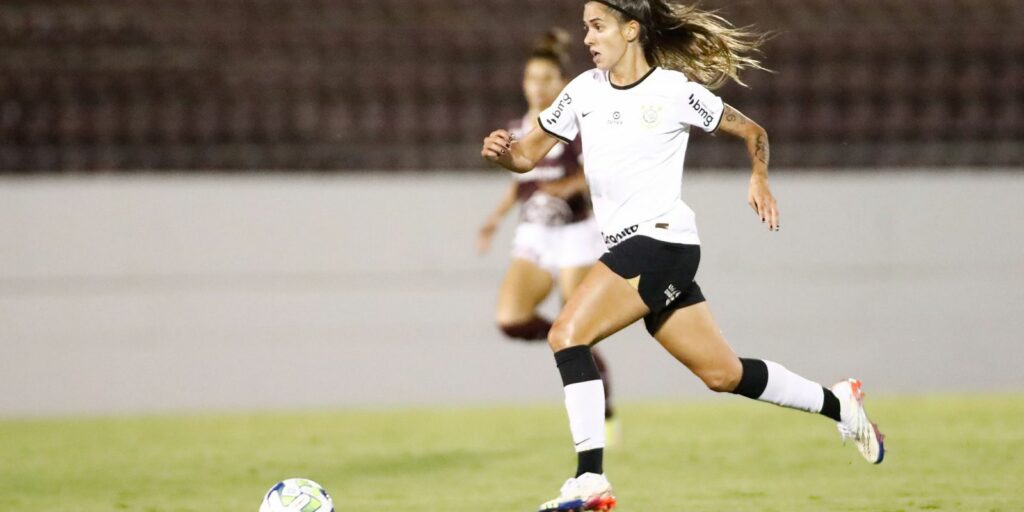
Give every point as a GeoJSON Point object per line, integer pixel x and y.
{"type": "Point", "coordinates": [605, 38]}
{"type": "Point", "coordinates": [542, 81]}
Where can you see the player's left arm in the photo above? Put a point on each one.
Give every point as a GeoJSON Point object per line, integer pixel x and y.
{"type": "Point", "coordinates": [759, 195]}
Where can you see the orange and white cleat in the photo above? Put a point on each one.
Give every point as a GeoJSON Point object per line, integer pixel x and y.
{"type": "Point", "coordinates": [855, 424]}
{"type": "Point", "coordinates": [589, 491]}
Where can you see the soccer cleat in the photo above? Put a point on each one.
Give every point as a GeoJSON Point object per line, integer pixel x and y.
{"type": "Point", "coordinates": [855, 424]}
{"type": "Point", "coordinates": [589, 491]}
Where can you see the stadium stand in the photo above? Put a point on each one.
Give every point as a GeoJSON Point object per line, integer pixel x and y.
{"type": "Point", "coordinates": [415, 84]}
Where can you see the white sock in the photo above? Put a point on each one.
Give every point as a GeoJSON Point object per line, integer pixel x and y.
{"type": "Point", "coordinates": [584, 401]}
{"type": "Point", "coordinates": [788, 389]}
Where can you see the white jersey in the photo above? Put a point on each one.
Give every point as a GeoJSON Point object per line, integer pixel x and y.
{"type": "Point", "coordinates": [634, 143]}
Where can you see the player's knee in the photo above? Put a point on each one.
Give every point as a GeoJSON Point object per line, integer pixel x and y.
{"type": "Point", "coordinates": [721, 380]}
{"type": "Point", "coordinates": [561, 336]}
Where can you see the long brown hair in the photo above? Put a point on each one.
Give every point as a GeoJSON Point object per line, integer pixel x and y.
{"type": "Point", "coordinates": [701, 44]}
{"type": "Point", "coordinates": [553, 46]}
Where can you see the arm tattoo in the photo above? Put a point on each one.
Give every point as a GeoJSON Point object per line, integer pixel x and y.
{"type": "Point", "coordinates": [730, 117]}
{"type": "Point", "coordinates": [761, 149]}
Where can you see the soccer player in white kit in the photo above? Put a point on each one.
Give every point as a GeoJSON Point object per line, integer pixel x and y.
{"type": "Point", "coordinates": [655, 61]}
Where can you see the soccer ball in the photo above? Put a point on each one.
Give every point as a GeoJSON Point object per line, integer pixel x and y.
{"type": "Point", "coordinates": [297, 495]}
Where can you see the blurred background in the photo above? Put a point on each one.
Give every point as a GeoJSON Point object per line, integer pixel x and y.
{"type": "Point", "coordinates": [237, 204]}
{"type": "Point", "coordinates": [355, 85]}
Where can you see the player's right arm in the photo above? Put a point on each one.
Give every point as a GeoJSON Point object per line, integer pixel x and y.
{"type": "Point", "coordinates": [517, 155]}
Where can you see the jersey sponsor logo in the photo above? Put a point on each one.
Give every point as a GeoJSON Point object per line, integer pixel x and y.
{"type": "Point", "coordinates": [704, 113]}
{"type": "Point", "coordinates": [565, 101]}
{"type": "Point", "coordinates": [614, 239]}
{"type": "Point", "coordinates": [616, 118]}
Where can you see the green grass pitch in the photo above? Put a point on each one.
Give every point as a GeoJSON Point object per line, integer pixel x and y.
{"type": "Point", "coordinates": [947, 453]}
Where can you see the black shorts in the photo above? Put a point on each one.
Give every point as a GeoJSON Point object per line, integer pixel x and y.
{"type": "Point", "coordinates": [666, 273]}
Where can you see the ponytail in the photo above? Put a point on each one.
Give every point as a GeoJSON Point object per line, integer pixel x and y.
{"type": "Point", "coordinates": [700, 44]}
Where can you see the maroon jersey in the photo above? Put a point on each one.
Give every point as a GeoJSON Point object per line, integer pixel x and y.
{"type": "Point", "coordinates": [561, 162]}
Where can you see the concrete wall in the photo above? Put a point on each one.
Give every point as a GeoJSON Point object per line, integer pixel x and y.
{"type": "Point", "coordinates": [153, 293]}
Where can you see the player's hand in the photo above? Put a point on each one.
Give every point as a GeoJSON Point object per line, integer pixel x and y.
{"type": "Point", "coordinates": [484, 237]}
{"type": "Point", "coordinates": [760, 198]}
{"type": "Point", "coordinates": [498, 147]}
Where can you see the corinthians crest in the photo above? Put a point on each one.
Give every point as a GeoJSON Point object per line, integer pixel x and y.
{"type": "Point", "coordinates": [650, 115]}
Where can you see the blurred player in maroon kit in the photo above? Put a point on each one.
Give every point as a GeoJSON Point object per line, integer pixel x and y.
{"type": "Point", "coordinates": [557, 237]}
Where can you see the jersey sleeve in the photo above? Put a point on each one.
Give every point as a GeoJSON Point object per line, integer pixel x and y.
{"type": "Point", "coordinates": [560, 120]}
{"type": "Point", "coordinates": [702, 108]}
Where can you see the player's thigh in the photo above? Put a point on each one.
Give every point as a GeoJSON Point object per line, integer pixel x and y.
{"type": "Point", "coordinates": [602, 304]}
{"type": "Point", "coordinates": [692, 336]}
{"type": "Point", "coordinates": [525, 286]}
{"type": "Point", "coordinates": [571, 277]}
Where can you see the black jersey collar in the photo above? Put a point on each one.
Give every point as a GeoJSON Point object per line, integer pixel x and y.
{"type": "Point", "coordinates": [634, 84]}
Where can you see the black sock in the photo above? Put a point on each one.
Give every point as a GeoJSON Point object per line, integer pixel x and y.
{"type": "Point", "coordinates": [771, 382]}
{"type": "Point", "coordinates": [534, 329]}
{"type": "Point", "coordinates": [830, 407]}
{"type": "Point", "coordinates": [754, 379]}
{"type": "Point", "coordinates": [590, 461]}
{"type": "Point", "coordinates": [576, 364]}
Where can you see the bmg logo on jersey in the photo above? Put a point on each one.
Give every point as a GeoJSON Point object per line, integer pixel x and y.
{"type": "Point", "coordinates": [565, 101]}
{"type": "Point", "coordinates": [706, 115]}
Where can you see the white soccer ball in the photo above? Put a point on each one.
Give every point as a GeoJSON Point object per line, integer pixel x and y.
{"type": "Point", "coordinates": [297, 495]}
